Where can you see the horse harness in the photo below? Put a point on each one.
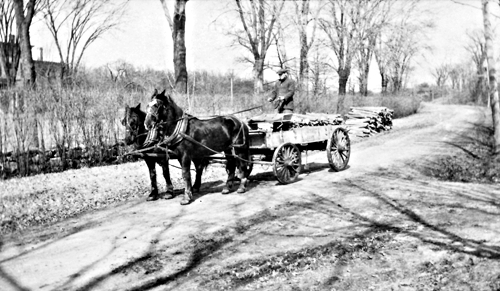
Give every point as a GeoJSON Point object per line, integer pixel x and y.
{"type": "Point", "coordinates": [179, 134]}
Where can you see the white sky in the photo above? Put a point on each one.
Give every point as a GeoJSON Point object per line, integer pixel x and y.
{"type": "Point", "coordinates": [144, 38]}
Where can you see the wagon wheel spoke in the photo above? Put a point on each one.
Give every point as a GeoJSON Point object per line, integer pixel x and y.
{"type": "Point", "coordinates": [287, 163]}
{"type": "Point", "coordinates": [286, 174]}
{"type": "Point", "coordinates": [338, 149]}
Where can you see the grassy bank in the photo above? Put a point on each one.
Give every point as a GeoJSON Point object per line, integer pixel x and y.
{"type": "Point", "coordinates": [474, 162]}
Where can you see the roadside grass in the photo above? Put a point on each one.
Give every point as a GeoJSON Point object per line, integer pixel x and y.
{"type": "Point", "coordinates": [49, 198]}
{"type": "Point", "coordinates": [45, 207]}
{"type": "Point", "coordinates": [473, 163]}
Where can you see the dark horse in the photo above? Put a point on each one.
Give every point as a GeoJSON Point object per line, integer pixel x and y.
{"type": "Point", "coordinates": [195, 140]}
{"type": "Point", "coordinates": [135, 134]}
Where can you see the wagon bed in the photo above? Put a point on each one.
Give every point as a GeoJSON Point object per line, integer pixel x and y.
{"type": "Point", "coordinates": [279, 139]}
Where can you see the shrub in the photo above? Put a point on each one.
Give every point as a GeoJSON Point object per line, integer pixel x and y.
{"type": "Point", "coordinates": [403, 105]}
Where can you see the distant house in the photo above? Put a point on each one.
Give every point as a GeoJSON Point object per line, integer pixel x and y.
{"type": "Point", "coordinates": [50, 72]}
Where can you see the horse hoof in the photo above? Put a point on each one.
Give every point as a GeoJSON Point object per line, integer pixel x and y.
{"type": "Point", "coordinates": [168, 196]}
{"type": "Point", "coordinates": [241, 190]}
{"type": "Point", "coordinates": [225, 191]}
{"type": "Point", "coordinates": [152, 197]}
{"type": "Point", "coordinates": [185, 201]}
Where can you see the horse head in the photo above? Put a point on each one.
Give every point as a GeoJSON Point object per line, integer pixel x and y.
{"type": "Point", "coordinates": [134, 124]}
{"type": "Point", "coordinates": [161, 109]}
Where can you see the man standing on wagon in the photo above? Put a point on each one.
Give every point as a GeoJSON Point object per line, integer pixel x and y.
{"type": "Point", "coordinates": [283, 92]}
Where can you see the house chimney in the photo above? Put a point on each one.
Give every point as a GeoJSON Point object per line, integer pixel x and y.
{"type": "Point", "coordinates": [41, 54]}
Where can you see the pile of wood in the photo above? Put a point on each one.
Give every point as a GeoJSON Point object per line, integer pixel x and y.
{"type": "Point", "coordinates": [367, 121]}
{"type": "Point", "coordinates": [282, 122]}
{"type": "Point", "coordinates": [316, 119]}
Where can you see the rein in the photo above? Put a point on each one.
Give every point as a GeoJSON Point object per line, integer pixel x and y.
{"type": "Point", "coordinates": [187, 137]}
{"type": "Point", "coordinates": [249, 109]}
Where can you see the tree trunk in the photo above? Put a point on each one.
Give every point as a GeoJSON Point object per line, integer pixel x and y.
{"type": "Point", "coordinates": [493, 90]}
{"type": "Point", "coordinates": [343, 78]}
{"type": "Point", "coordinates": [304, 64]}
{"type": "Point", "coordinates": [384, 82]}
{"type": "Point", "coordinates": [258, 76]}
{"type": "Point", "coordinates": [397, 81]}
{"type": "Point", "coordinates": [304, 48]}
{"type": "Point", "coordinates": [178, 36]}
{"type": "Point", "coordinates": [23, 27]}
{"type": "Point", "coordinates": [363, 80]}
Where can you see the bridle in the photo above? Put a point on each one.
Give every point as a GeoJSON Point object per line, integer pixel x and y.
{"type": "Point", "coordinates": [154, 110]}
{"type": "Point", "coordinates": [131, 131]}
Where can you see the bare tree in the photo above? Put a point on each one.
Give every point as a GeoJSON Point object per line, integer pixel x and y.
{"type": "Point", "coordinates": [476, 47]}
{"type": "Point", "coordinates": [375, 17]}
{"type": "Point", "coordinates": [340, 25]}
{"type": "Point", "coordinates": [492, 88]}
{"type": "Point", "coordinates": [400, 41]}
{"type": "Point", "coordinates": [24, 16]}
{"type": "Point", "coordinates": [177, 25]}
{"type": "Point", "coordinates": [320, 70]}
{"type": "Point", "coordinates": [383, 58]}
{"type": "Point", "coordinates": [398, 49]}
{"type": "Point", "coordinates": [457, 72]}
{"type": "Point", "coordinates": [441, 73]}
{"type": "Point", "coordinates": [402, 47]}
{"type": "Point", "coordinates": [10, 51]}
{"type": "Point", "coordinates": [76, 24]}
{"type": "Point", "coordinates": [280, 44]}
{"type": "Point", "coordinates": [258, 19]}
{"type": "Point", "coordinates": [305, 17]}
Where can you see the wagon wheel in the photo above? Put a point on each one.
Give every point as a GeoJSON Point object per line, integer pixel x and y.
{"type": "Point", "coordinates": [338, 149]}
{"type": "Point", "coordinates": [287, 163]}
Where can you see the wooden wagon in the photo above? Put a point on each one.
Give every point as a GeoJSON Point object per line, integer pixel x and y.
{"type": "Point", "coordinates": [278, 140]}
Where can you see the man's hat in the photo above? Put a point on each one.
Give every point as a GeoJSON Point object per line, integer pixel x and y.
{"type": "Point", "coordinates": [282, 71]}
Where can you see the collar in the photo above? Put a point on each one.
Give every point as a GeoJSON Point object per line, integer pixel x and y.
{"type": "Point", "coordinates": [179, 130]}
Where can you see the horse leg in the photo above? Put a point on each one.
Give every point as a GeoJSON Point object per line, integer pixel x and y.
{"type": "Point", "coordinates": [230, 168]}
{"type": "Point", "coordinates": [199, 165]}
{"type": "Point", "coordinates": [153, 195]}
{"type": "Point", "coordinates": [166, 175]}
{"type": "Point", "coordinates": [186, 174]}
{"type": "Point", "coordinates": [243, 171]}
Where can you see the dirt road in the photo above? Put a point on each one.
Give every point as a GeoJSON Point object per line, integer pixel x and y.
{"type": "Point", "coordinates": [379, 225]}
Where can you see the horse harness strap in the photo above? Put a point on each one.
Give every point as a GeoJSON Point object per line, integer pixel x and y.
{"type": "Point", "coordinates": [240, 131]}
{"type": "Point", "coordinates": [197, 142]}
{"type": "Point", "coordinates": [179, 132]}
